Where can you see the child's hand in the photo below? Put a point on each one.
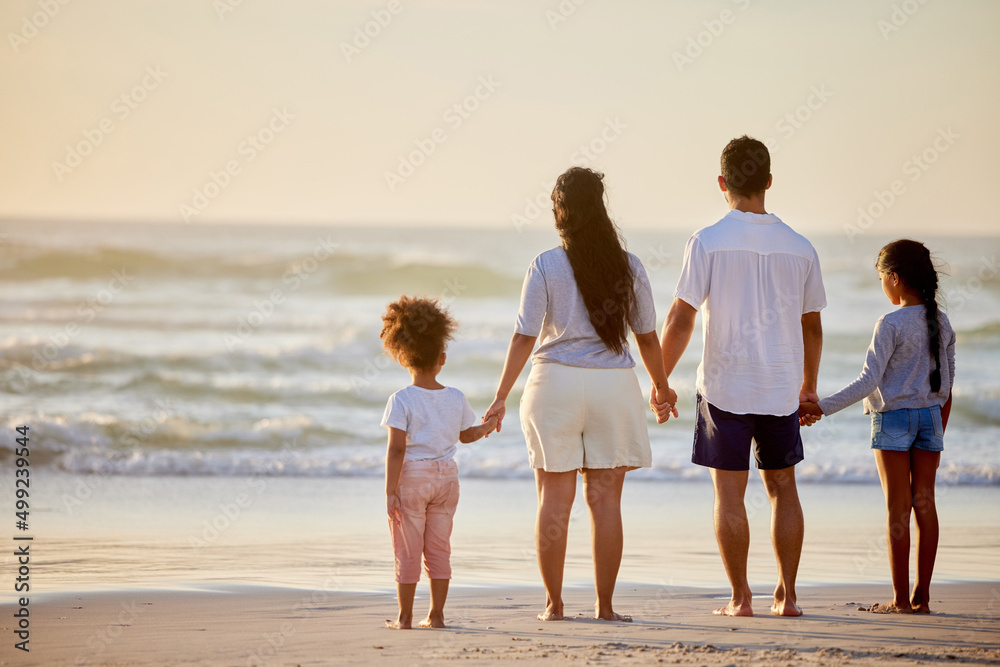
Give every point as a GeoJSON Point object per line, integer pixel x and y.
{"type": "Point", "coordinates": [392, 506]}
{"type": "Point", "coordinates": [809, 413]}
{"type": "Point", "coordinates": [497, 411]}
{"type": "Point", "coordinates": [491, 423]}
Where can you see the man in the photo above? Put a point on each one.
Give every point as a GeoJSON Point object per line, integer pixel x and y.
{"type": "Point", "coordinates": [761, 288]}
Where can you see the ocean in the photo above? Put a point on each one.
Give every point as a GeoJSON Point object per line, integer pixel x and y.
{"type": "Point", "coordinates": [249, 350]}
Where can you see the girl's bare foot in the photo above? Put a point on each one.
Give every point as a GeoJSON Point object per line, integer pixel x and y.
{"type": "Point", "coordinates": [890, 608]}
{"type": "Point", "coordinates": [732, 609]}
{"type": "Point", "coordinates": [401, 623]}
{"type": "Point", "coordinates": [433, 621]}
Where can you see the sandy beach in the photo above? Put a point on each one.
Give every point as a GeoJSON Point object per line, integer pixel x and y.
{"type": "Point", "coordinates": [280, 626]}
{"type": "Point", "coordinates": [132, 574]}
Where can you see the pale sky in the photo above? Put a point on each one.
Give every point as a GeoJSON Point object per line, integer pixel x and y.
{"type": "Point", "coordinates": [846, 93]}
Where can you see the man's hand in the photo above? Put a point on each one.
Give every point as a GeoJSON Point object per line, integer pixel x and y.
{"type": "Point", "coordinates": [809, 412]}
{"type": "Point", "coordinates": [663, 403]}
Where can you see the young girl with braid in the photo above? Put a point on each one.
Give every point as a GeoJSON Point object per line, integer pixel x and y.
{"type": "Point", "coordinates": [906, 386]}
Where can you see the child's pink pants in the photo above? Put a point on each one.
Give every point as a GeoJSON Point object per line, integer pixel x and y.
{"type": "Point", "coordinates": [428, 495]}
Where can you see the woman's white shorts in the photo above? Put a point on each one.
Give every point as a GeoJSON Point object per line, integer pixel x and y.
{"type": "Point", "coordinates": [576, 418]}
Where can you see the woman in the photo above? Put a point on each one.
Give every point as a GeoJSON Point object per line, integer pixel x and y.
{"type": "Point", "coordinates": [582, 407]}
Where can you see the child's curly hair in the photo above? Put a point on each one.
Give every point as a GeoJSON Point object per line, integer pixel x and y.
{"type": "Point", "coordinates": [415, 331]}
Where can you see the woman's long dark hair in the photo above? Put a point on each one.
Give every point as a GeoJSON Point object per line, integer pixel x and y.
{"type": "Point", "coordinates": [596, 252]}
{"type": "Point", "coordinates": [911, 261]}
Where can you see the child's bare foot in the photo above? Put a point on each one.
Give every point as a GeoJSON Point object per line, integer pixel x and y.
{"type": "Point", "coordinates": [733, 609]}
{"type": "Point", "coordinates": [401, 623]}
{"type": "Point", "coordinates": [433, 621]}
{"type": "Point", "coordinates": [889, 608]}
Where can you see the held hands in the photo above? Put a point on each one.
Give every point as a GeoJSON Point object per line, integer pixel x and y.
{"type": "Point", "coordinates": [809, 410]}
{"type": "Point", "coordinates": [663, 403]}
{"type": "Point", "coordinates": [491, 423]}
{"type": "Point", "coordinates": [496, 414]}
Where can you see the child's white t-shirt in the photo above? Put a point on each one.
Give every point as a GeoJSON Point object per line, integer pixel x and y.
{"type": "Point", "coordinates": [432, 419]}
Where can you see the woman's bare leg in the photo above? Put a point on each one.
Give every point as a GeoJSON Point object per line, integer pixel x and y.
{"type": "Point", "coordinates": [603, 490]}
{"type": "Point", "coordinates": [556, 491]}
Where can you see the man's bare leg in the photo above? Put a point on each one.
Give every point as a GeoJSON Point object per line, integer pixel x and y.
{"type": "Point", "coordinates": [435, 615]}
{"type": "Point", "coordinates": [556, 491]}
{"type": "Point", "coordinates": [787, 529]}
{"type": "Point", "coordinates": [732, 531]}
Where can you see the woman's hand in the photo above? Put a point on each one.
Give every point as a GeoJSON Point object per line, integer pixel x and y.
{"type": "Point", "coordinates": [498, 410]}
{"type": "Point", "coordinates": [663, 402]}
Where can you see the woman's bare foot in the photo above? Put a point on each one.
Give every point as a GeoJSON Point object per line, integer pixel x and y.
{"type": "Point", "coordinates": [732, 609]}
{"type": "Point", "coordinates": [401, 623]}
{"type": "Point", "coordinates": [433, 621]}
{"type": "Point", "coordinates": [889, 608]}
{"type": "Point", "coordinates": [786, 608]}
{"type": "Point", "coordinates": [553, 614]}
{"type": "Point", "coordinates": [614, 616]}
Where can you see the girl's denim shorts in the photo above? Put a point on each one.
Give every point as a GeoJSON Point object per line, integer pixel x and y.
{"type": "Point", "coordinates": [901, 430]}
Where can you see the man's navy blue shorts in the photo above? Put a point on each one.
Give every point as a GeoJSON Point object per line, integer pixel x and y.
{"type": "Point", "coordinates": [722, 439]}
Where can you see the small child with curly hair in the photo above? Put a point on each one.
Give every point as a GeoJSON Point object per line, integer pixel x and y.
{"type": "Point", "coordinates": [425, 420]}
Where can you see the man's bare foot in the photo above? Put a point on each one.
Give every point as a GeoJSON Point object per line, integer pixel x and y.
{"type": "Point", "coordinates": [732, 609]}
{"type": "Point", "coordinates": [919, 604]}
{"type": "Point", "coordinates": [889, 608]}
{"type": "Point", "coordinates": [433, 621]}
{"type": "Point", "coordinates": [552, 615]}
{"type": "Point", "coordinates": [786, 608]}
{"type": "Point", "coordinates": [399, 624]}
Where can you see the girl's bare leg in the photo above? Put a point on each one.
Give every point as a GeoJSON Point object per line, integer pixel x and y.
{"type": "Point", "coordinates": [923, 471]}
{"type": "Point", "coordinates": [894, 472]}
